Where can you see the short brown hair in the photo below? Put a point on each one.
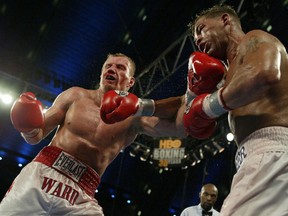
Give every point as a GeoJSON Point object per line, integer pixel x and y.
{"type": "Point", "coordinates": [215, 11]}
{"type": "Point", "coordinates": [132, 63]}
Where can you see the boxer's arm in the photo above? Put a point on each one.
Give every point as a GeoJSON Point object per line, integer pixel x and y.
{"type": "Point", "coordinates": [117, 106]}
{"type": "Point", "coordinates": [257, 69]}
{"type": "Point", "coordinates": [168, 108]}
{"type": "Point", "coordinates": [167, 119]}
{"type": "Point", "coordinates": [55, 115]}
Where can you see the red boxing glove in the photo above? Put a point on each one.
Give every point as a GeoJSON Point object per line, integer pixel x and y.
{"type": "Point", "coordinates": [27, 113]}
{"type": "Point", "coordinates": [200, 116]}
{"type": "Point", "coordinates": [195, 120]}
{"type": "Point", "coordinates": [119, 105]}
{"type": "Point", "coordinates": [204, 73]}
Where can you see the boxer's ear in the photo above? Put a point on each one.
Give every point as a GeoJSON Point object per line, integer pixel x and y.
{"type": "Point", "coordinates": [131, 82]}
{"type": "Point", "coordinates": [226, 19]}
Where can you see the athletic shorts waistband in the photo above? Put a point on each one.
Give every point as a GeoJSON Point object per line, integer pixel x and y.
{"type": "Point", "coordinates": [262, 140]}
{"type": "Point", "coordinates": [63, 162]}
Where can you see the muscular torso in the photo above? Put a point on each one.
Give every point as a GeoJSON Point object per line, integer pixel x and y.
{"type": "Point", "coordinates": [270, 110]}
{"type": "Point", "coordinates": [86, 137]}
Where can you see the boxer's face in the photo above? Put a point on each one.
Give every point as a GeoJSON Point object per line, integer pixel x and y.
{"type": "Point", "coordinates": [209, 35]}
{"type": "Point", "coordinates": [116, 74]}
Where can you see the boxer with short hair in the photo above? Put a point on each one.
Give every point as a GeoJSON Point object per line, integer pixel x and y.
{"type": "Point", "coordinates": [255, 95]}
{"type": "Point", "coordinates": [63, 177]}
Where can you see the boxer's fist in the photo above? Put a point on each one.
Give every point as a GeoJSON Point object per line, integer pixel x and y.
{"type": "Point", "coordinates": [118, 105]}
{"type": "Point", "coordinates": [204, 73]}
{"type": "Point", "coordinates": [27, 113]}
{"type": "Point", "coordinates": [196, 122]}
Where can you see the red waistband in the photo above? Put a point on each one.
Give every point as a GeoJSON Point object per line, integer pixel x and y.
{"type": "Point", "coordinates": [82, 174]}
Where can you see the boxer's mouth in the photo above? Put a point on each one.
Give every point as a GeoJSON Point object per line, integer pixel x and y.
{"type": "Point", "coordinates": [109, 77]}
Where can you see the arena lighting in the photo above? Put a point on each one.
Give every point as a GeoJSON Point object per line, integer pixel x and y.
{"type": "Point", "coordinates": [134, 150]}
{"type": "Point", "coordinates": [145, 154]}
{"type": "Point", "coordinates": [6, 98]}
{"type": "Point", "coordinates": [218, 147]}
{"type": "Point", "coordinates": [201, 153]}
{"type": "Point", "coordinates": [230, 137]}
{"type": "Point", "coordinates": [139, 149]}
{"type": "Point", "coordinates": [172, 211]}
{"type": "Point", "coordinates": [210, 150]}
{"type": "Point", "coordinates": [149, 191]}
{"type": "Point", "coordinates": [196, 159]}
{"type": "Point", "coordinates": [186, 158]}
{"type": "Point", "coordinates": [269, 28]}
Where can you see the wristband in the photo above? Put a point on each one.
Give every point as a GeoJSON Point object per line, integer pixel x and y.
{"type": "Point", "coordinates": [31, 134]}
{"type": "Point", "coordinates": [146, 107]}
{"type": "Point", "coordinates": [189, 96]}
{"type": "Point", "coordinates": [214, 105]}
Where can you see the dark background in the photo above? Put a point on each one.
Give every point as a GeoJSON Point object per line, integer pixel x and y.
{"type": "Point", "coordinates": [48, 46]}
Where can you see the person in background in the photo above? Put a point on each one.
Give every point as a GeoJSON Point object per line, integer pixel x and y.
{"type": "Point", "coordinates": [208, 197]}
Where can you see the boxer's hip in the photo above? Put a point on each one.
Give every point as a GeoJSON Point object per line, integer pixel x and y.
{"type": "Point", "coordinates": [269, 139]}
{"type": "Point", "coordinates": [82, 174]}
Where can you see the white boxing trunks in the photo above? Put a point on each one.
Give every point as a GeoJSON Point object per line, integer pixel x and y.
{"type": "Point", "coordinates": [260, 186]}
{"type": "Point", "coordinates": [54, 183]}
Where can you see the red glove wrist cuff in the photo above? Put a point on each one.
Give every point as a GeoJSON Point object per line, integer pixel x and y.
{"type": "Point", "coordinates": [32, 133]}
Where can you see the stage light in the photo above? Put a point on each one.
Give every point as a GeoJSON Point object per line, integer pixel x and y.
{"type": "Point", "coordinates": [210, 150]}
{"type": "Point", "coordinates": [184, 167]}
{"type": "Point", "coordinates": [201, 154]}
{"type": "Point", "coordinates": [149, 191]}
{"type": "Point", "coordinates": [196, 159]}
{"type": "Point", "coordinates": [134, 150]}
{"type": "Point", "coordinates": [269, 28]}
{"type": "Point", "coordinates": [230, 137]}
{"type": "Point", "coordinates": [145, 155]}
{"type": "Point", "coordinates": [218, 147]}
{"type": "Point", "coordinates": [6, 98]}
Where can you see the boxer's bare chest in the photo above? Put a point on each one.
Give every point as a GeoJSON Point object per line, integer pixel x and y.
{"type": "Point", "coordinates": [83, 120]}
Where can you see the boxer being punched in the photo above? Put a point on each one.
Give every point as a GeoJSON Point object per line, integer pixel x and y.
{"type": "Point", "coordinates": [255, 94]}
{"type": "Point", "coordinates": [63, 177]}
